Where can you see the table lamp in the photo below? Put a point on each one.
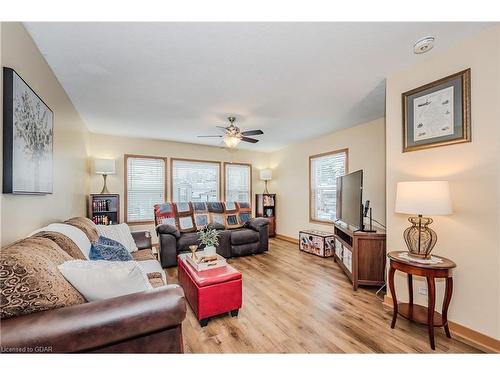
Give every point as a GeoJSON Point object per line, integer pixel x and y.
{"type": "Point", "coordinates": [422, 198]}
{"type": "Point", "coordinates": [266, 175]}
{"type": "Point", "coordinates": [104, 167]}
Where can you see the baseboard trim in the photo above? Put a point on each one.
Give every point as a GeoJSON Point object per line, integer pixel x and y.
{"type": "Point", "coordinates": [462, 333]}
{"type": "Point", "coordinates": [287, 238]}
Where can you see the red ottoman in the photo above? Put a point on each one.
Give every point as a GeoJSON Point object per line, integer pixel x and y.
{"type": "Point", "coordinates": [210, 292]}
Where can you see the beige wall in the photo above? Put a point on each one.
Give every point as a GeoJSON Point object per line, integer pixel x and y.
{"type": "Point", "coordinates": [471, 235]}
{"type": "Point", "coordinates": [21, 214]}
{"type": "Point", "coordinates": [366, 144]}
{"type": "Point", "coordinates": [113, 147]}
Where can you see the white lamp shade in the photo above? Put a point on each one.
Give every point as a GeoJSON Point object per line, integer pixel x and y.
{"type": "Point", "coordinates": [266, 174]}
{"type": "Point", "coordinates": [423, 198]}
{"type": "Point", "coordinates": [104, 166]}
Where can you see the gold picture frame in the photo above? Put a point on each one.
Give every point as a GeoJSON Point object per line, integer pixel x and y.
{"type": "Point", "coordinates": [445, 116]}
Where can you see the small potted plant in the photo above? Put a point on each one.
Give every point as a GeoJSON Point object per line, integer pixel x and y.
{"type": "Point", "coordinates": [209, 238]}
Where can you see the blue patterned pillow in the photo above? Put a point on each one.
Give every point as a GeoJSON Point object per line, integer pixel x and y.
{"type": "Point", "coordinates": [107, 249]}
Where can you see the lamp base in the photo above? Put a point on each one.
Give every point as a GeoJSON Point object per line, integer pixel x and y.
{"type": "Point", "coordinates": [104, 187]}
{"type": "Point", "coordinates": [419, 238]}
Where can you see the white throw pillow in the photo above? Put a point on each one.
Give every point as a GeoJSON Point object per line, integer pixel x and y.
{"type": "Point", "coordinates": [103, 279]}
{"type": "Point", "coordinates": [76, 235]}
{"type": "Point", "coordinates": [120, 233]}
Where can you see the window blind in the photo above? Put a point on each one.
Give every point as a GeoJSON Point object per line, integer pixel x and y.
{"type": "Point", "coordinates": [195, 181]}
{"type": "Point", "coordinates": [237, 181]}
{"type": "Point", "coordinates": [323, 195]}
{"type": "Point", "coordinates": [145, 187]}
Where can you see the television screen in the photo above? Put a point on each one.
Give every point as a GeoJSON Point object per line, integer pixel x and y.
{"type": "Point", "coordinates": [349, 199]}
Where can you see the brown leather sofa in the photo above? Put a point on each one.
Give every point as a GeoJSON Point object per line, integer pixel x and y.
{"type": "Point", "coordinates": [145, 322]}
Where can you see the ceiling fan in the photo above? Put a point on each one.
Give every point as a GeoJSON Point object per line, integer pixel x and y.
{"type": "Point", "coordinates": [233, 135]}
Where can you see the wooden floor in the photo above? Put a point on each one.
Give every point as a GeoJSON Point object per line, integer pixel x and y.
{"type": "Point", "coordinates": [294, 302]}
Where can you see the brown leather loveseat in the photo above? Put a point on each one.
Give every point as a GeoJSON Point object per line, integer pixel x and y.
{"type": "Point", "coordinates": [41, 312]}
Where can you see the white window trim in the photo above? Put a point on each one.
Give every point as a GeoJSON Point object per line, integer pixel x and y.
{"type": "Point", "coordinates": [312, 208]}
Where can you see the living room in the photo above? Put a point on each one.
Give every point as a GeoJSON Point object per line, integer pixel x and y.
{"type": "Point", "coordinates": [251, 187]}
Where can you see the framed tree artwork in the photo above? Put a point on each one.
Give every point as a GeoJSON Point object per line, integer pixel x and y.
{"type": "Point", "coordinates": [28, 135]}
{"type": "Point", "coordinates": [437, 114]}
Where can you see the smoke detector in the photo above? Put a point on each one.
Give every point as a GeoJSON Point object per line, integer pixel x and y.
{"type": "Point", "coordinates": [423, 45]}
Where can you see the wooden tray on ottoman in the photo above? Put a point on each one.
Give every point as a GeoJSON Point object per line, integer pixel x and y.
{"type": "Point", "coordinates": [211, 292]}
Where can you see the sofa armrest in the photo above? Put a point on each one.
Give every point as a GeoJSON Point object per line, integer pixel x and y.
{"type": "Point", "coordinates": [168, 229]}
{"type": "Point", "coordinates": [94, 325]}
{"type": "Point", "coordinates": [257, 222]}
{"type": "Point", "coordinates": [142, 239]}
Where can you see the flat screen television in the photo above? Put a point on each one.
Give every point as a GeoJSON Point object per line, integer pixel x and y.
{"type": "Point", "coordinates": [350, 199]}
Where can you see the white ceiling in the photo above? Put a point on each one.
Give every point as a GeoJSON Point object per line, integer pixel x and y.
{"type": "Point", "coordinates": [178, 80]}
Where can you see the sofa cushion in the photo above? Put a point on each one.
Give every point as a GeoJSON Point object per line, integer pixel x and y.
{"type": "Point", "coordinates": [216, 207]}
{"type": "Point", "coordinates": [108, 249]}
{"type": "Point", "coordinates": [186, 240]}
{"type": "Point", "coordinates": [244, 236]}
{"type": "Point", "coordinates": [86, 225]}
{"type": "Point", "coordinates": [145, 254]}
{"type": "Point", "coordinates": [186, 224]}
{"type": "Point", "coordinates": [165, 214]}
{"type": "Point", "coordinates": [245, 249]}
{"type": "Point", "coordinates": [30, 281]}
{"type": "Point", "coordinates": [102, 279]}
{"type": "Point", "coordinates": [64, 242]}
{"type": "Point", "coordinates": [120, 233]}
{"type": "Point", "coordinates": [150, 266]}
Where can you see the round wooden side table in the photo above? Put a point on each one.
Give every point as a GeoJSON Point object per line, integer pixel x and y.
{"type": "Point", "coordinates": [418, 313]}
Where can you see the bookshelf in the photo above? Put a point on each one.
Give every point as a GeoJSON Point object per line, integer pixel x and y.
{"type": "Point", "coordinates": [265, 206]}
{"type": "Point", "coordinates": [104, 209]}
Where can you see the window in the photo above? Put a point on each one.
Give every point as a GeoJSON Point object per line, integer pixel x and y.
{"type": "Point", "coordinates": [323, 172]}
{"type": "Point", "coordinates": [145, 186]}
{"type": "Point", "coordinates": [238, 180]}
{"type": "Point", "coordinates": [195, 181]}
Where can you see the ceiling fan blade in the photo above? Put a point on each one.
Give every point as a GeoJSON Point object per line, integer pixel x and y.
{"type": "Point", "coordinates": [222, 128]}
{"type": "Point", "coordinates": [252, 132]}
{"type": "Point", "coordinates": [209, 136]}
{"type": "Point", "coordinates": [250, 140]}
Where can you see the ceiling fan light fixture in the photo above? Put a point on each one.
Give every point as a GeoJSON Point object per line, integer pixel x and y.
{"type": "Point", "coordinates": [231, 141]}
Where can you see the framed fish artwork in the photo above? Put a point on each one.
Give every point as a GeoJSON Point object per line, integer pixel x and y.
{"type": "Point", "coordinates": [437, 114]}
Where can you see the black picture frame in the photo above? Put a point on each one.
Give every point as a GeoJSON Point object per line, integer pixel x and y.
{"type": "Point", "coordinates": [40, 138]}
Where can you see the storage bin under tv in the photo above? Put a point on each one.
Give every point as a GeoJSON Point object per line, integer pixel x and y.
{"type": "Point", "coordinates": [361, 255]}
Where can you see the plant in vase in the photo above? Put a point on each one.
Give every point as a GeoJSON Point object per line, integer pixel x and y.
{"type": "Point", "coordinates": [209, 238]}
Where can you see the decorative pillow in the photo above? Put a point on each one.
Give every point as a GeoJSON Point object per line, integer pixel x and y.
{"type": "Point", "coordinates": [186, 224]}
{"type": "Point", "coordinates": [216, 207]}
{"type": "Point", "coordinates": [201, 220]}
{"type": "Point", "coordinates": [102, 279]}
{"type": "Point", "coordinates": [218, 219]}
{"type": "Point", "coordinates": [30, 281]}
{"type": "Point", "coordinates": [64, 242]}
{"type": "Point", "coordinates": [232, 221]}
{"type": "Point", "coordinates": [230, 207]}
{"type": "Point", "coordinates": [108, 249]}
{"type": "Point", "coordinates": [86, 225]}
{"type": "Point", "coordinates": [120, 233]}
{"type": "Point", "coordinates": [75, 234]}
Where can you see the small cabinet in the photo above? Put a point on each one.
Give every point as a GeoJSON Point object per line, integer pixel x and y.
{"type": "Point", "coordinates": [104, 209]}
{"type": "Point", "coordinates": [265, 206]}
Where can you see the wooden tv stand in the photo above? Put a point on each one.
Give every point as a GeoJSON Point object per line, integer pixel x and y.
{"type": "Point", "coordinates": [361, 255]}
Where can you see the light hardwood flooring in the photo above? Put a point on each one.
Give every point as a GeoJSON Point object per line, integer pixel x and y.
{"type": "Point", "coordinates": [295, 302]}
